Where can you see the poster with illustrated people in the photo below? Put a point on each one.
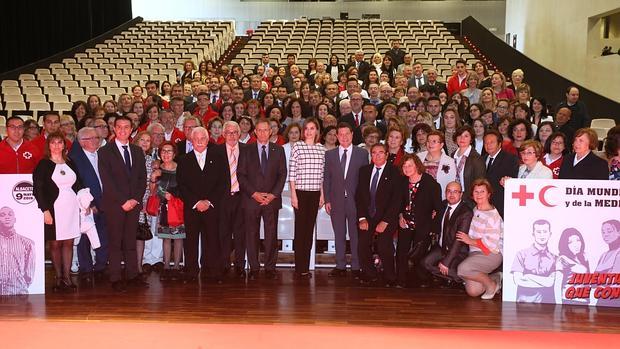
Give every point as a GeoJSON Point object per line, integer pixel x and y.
{"type": "Point", "coordinates": [562, 242]}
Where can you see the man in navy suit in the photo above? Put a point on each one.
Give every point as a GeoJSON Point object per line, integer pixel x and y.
{"type": "Point", "coordinates": [122, 169]}
{"type": "Point", "coordinates": [499, 164]}
{"type": "Point", "coordinates": [342, 167]}
{"type": "Point", "coordinates": [84, 155]}
{"type": "Point", "coordinates": [262, 174]}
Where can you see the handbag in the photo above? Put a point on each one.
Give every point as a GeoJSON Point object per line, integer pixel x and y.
{"type": "Point", "coordinates": [175, 212]}
{"type": "Point", "coordinates": [144, 231]}
{"type": "Point", "coordinates": [152, 205]}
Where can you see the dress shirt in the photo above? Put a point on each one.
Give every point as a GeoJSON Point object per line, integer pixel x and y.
{"type": "Point", "coordinates": [201, 157]}
{"type": "Point", "coordinates": [92, 158]}
{"type": "Point", "coordinates": [233, 152]}
{"type": "Point", "coordinates": [452, 208]}
{"type": "Point", "coordinates": [259, 147]}
{"type": "Point", "coordinates": [457, 160]}
{"type": "Point", "coordinates": [120, 145]}
{"type": "Point", "coordinates": [376, 168]}
{"type": "Point", "coordinates": [349, 154]}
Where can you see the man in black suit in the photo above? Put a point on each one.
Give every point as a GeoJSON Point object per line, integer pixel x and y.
{"type": "Point", "coordinates": [262, 174]}
{"type": "Point", "coordinates": [122, 169]}
{"type": "Point", "coordinates": [355, 118]}
{"type": "Point", "coordinates": [360, 64]}
{"type": "Point", "coordinates": [255, 91]}
{"type": "Point", "coordinates": [456, 216]}
{"type": "Point", "coordinates": [377, 212]}
{"type": "Point", "coordinates": [396, 53]}
{"type": "Point", "coordinates": [499, 164]}
{"type": "Point", "coordinates": [185, 146]}
{"type": "Point", "coordinates": [200, 178]}
{"type": "Point", "coordinates": [432, 81]}
{"type": "Point", "coordinates": [230, 222]}
{"type": "Point", "coordinates": [84, 155]}
{"type": "Point", "coordinates": [370, 115]}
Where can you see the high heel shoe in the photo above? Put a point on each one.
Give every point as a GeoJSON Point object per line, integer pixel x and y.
{"type": "Point", "coordinates": [69, 285]}
{"type": "Point", "coordinates": [58, 285]}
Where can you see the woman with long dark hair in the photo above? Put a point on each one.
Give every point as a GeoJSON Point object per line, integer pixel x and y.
{"type": "Point", "coordinates": [571, 259]}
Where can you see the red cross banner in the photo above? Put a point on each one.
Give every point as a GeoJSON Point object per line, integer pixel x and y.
{"type": "Point", "coordinates": [22, 245]}
{"type": "Point", "coordinates": [562, 242]}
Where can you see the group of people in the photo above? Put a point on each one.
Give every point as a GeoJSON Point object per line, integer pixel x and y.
{"type": "Point", "coordinates": [410, 168]}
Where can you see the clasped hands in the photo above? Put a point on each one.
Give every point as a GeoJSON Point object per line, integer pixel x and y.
{"type": "Point", "coordinates": [263, 198]}
{"type": "Point", "coordinates": [380, 228]}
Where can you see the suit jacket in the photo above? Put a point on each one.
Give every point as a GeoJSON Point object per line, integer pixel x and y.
{"type": "Point", "coordinates": [427, 200]}
{"type": "Point", "coordinates": [222, 152]}
{"type": "Point", "coordinates": [590, 167]}
{"type": "Point", "coordinates": [362, 71]}
{"type": "Point", "coordinates": [474, 168]}
{"type": "Point", "coordinates": [252, 180]}
{"type": "Point", "coordinates": [335, 185]}
{"type": "Point", "coordinates": [414, 82]}
{"type": "Point", "coordinates": [357, 132]}
{"type": "Point", "coordinates": [388, 197]}
{"type": "Point", "coordinates": [195, 184]}
{"type": "Point", "coordinates": [247, 95]}
{"type": "Point", "coordinates": [397, 55]}
{"type": "Point", "coordinates": [504, 164]}
{"type": "Point", "coordinates": [118, 184]}
{"type": "Point", "coordinates": [460, 220]}
{"type": "Point", "coordinates": [87, 173]}
{"type": "Point", "coordinates": [440, 86]}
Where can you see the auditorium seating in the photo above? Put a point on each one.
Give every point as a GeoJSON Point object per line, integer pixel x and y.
{"type": "Point", "coordinates": [429, 42]}
{"type": "Point", "coordinates": [146, 51]}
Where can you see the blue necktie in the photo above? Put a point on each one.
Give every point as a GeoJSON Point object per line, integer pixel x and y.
{"type": "Point", "coordinates": [343, 163]}
{"type": "Point", "coordinates": [127, 157]}
{"type": "Point", "coordinates": [373, 192]}
{"type": "Point", "coordinates": [263, 161]}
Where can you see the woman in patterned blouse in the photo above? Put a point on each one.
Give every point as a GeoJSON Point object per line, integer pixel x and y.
{"type": "Point", "coordinates": [485, 240]}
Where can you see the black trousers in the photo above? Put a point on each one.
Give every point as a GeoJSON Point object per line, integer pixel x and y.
{"type": "Point", "coordinates": [231, 229]}
{"type": "Point", "coordinates": [414, 247]}
{"type": "Point", "coordinates": [202, 226]}
{"type": "Point", "coordinates": [305, 220]}
{"type": "Point", "coordinates": [122, 228]}
{"type": "Point", "coordinates": [385, 247]}
{"type": "Point", "coordinates": [431, 264]}
{"type": "Point", "coordinates": [269, 214]}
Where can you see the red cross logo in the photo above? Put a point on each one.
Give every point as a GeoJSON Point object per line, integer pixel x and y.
{"type": "Point", "coordinates": [523, 195]}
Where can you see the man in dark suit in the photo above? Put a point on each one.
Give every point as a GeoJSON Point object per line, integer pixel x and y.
{"type": "Point", "coordinates": [579, 112]}
{"type": "Point", "coordinates": [419, 78]}
{"type": "Point", "coordinates": [255, 91]}
{"type": "Point", "coordinates": [84, 155]}
{"type": "Point", "coordinates": [122, 170]}
{"type": "Point", "coordinates": [230, 222]}
{"type": "Point", "coordinates": [262, 174]}
{"type": "Point", "coordinates": [370, 114]}
{"type": "Point", "coordinates": [200, 177]}
{"type": "Point", "coordinates": [456, 216]}
{"type": "Point", "coordinates": [339, 187]}
{"type": "Point", "coordinates": [396, 53]}
{"type": "Point", "coordinates": [355, 118]}
{"type": "Point", "coordinates": [185, 146]}
{"type": "Point", "coordinates": [360, 64]}
{"type": "Point", "coordinates": [499, 164]}
{"type": "Point", "coordinates": [377, 212]}
{"type": "Point", "coordinates": [432, 81]}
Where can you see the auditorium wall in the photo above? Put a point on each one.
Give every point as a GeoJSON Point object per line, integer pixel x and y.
{"type": "Point", "coordinates": [566, 37]}
{"type": "Point", "coordinates": [248, 14]}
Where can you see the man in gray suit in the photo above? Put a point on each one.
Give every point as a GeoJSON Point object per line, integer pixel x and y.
{"type": "Point", "coordinates": [339, 186]}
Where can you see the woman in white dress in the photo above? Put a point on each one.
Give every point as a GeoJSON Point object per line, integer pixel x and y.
{"type": "Point", "coordinates": [56, 183]}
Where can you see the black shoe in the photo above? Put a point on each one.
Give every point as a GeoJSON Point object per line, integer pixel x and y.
{"type": "Point", "coordinates": [271, 274]}
{"type": "Point", "coordinates": [174, 275]}
{"type": "Point", "coordinates": [356, 274]}
{"type": "Point", "coordinates": [390, 284]}
{"type": "Point", "coordinates": [158, 267]}
{"type": "Point", "coordinates": [240, 273]}
{"type": "Point", "coordinates": [87, 279]}
{"type": "Point", "coordinates": [401, 285]}
{"type": "Point", "coordinates": [189, 278]}
{"type": "Point", "coordinates": [99, 275]}
{"type": "Point", "coordinates": [368, 281]}
{"type": "Point", "coordinates": [165, 275]}
{"type": "Point", "coordinates": [137, 282]}
{"type": "Point", "coordinates": [303, 276]}
{"type": "Point", "coordinates": [334, 273]}
{"type": "Point", "coordinates": [119, 287]}
{"type": "Point", "coordinates": [253, 275]}
{"type": "Point", "coordinates": [69, 285]}
{"type": "Point", "coordinates": [147, 268]}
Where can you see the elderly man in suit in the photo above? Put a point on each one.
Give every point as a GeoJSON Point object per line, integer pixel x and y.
{"type": "Point", "coordinates": [377, 211]}
{"type": "Point", "coordinates": [456, 216]}
{"type": "Point", "coordinates": [200, 176]}
{"type": "Point", "coordinates": [122, 169]}
{"type": "Point", "coordinates": [231, 226]}
{"type": "Point", "coordinates": [342, 166]}
{"type": "Point", "coordinates": [262, 174]}
{"type": "Point", "coordinates": [499, 164]}
{"type": "Point", "coordinates": [84, 155]}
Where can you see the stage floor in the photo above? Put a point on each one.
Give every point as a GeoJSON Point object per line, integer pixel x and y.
{"type": "Point", "coordinates": [321, 301]}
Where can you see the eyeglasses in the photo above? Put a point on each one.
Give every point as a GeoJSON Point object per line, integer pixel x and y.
{"type": "Point", "coordinates": [17, 128]}
{"type": "Point", "coordinates": [557, 143]}
{"type": "Point", "coordinates": [101, 126]}
{"type": "Point", "coordinates": [167, 151]}
{"type": "Point", "coordinates": [526, 152]}
{"type": "Point", "coordinates": [231, 133]}
{"type": "Point", "coordinates": [91, 138]}
{"type": "Point", "coordinates": [453, 191]}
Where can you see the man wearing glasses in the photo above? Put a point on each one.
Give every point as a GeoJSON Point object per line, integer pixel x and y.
{"type": "Point", "coordinates": [16, 154]}
{"type": "Point", "coordinates": [84, 155]}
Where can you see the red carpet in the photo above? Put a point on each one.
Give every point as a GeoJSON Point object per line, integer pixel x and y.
{"type": "Point", "coordinates": [94, 335]}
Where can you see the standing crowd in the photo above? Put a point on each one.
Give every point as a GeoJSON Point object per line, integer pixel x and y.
{"type": "Point", "coordinates": [177, 177]}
